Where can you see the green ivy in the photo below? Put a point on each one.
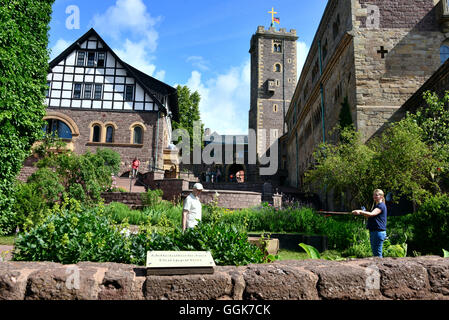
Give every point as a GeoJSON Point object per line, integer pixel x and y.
{"type": "Point", "coordinates": [23, 76]}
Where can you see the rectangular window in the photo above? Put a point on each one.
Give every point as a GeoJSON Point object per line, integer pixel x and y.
{"type": "Point", "coordinates": [98, 89]}
{"type": "Point", "coordinates": [101, 59]}
{"type": "Point", "coordinates": [80, 61]}
{"type": "Point", "coordinates": [77, 91]}
{"type": "Point", "coordinates": [47, 90]}
{"type": "Point", "coordinates": [129, 93]}
{"type": "Point", "coordinates": [88, 91]}
{"type": "Point", "coordinates": [91, 59]}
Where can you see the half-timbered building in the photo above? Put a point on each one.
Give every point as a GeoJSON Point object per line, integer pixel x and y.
{"type": "Point", "coordinates": [94, 99]}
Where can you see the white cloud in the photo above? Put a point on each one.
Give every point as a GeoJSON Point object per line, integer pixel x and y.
{"type": "Point", "coordinates": [130, 21]}
{"type": "Point", "coordinates": [225, 99]}
{"type": "Point", "coordinates": [302, 51]}
{"type": "Point", "coordinates": [130, 16]}
{"type": "Point", "coordinates": [136, 55]}
{"type": "Point", "coordinates": [59, 47]}
{"type": "Point", "coordinates": [199, 62]}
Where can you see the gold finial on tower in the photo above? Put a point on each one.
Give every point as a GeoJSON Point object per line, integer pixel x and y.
{"type": "Point", "coordinates": [273, 18]}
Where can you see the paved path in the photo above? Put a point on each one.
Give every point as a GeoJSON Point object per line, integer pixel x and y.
{"type": "Point", "coordinates": [124, 183]}
{"type": "Point", "coordinates": [5, 256]}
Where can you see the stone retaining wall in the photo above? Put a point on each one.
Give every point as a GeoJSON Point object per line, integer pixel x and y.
{"type": "Point", "coordinates": [131, 199]}
{"type": "Point", "coordinates": [229, 199]}
{"type": "Point", "coordinates": [363, 279]}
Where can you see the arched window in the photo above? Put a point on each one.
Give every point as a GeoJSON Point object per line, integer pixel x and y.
{"type": "Point", "coordinates": [96, 135]}
{"type": "Point", "coordinates": [277, 67]}
{"type": "Point", "coordinates": [110, 134]}
{"type": "Point", "coordinates": [444, 53]}
{"type": "Point", "coordinates": [57, 127]}
{"type": "Point", "coordinates": [138, 135]}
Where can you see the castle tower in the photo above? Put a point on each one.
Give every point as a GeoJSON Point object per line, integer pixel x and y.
{"type": "Point", "coordinates": [273, 82]}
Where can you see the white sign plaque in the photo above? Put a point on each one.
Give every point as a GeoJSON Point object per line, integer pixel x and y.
{"type": "Point", "coordinates": [179, 259]}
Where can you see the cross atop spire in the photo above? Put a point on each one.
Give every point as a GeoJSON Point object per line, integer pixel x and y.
{"type": "Point", "coordinates": [273, 18]}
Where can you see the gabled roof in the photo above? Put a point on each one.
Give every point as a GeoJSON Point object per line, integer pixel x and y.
{"type": "Point", "coordinates": [156, 89]}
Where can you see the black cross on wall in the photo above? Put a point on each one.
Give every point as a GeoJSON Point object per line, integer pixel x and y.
{"type": "Point", "coordinates": [382, 52]}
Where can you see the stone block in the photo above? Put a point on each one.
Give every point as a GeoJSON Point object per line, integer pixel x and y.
{"type": "Point", "coordinates": [189, 287]}
{"type": "Point", "coordinates": [279, 282]}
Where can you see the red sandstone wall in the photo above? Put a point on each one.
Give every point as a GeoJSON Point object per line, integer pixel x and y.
{"type": "Point", "coordinates": [363, 279]}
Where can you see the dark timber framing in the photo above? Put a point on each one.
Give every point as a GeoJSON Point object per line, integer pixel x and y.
{"type": "Point", "coordinates": [154, 96]}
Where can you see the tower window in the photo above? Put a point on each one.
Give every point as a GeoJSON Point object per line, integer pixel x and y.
{"type": "Point", "coordinates": [277, 67]}
{"type": "Point", "coordinates": [275, 108]}
{"type": "Point", "coordinates": [277, 47]}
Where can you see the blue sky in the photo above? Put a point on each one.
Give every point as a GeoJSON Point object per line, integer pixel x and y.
{"type": "Point", "coordinates": [202, 44]}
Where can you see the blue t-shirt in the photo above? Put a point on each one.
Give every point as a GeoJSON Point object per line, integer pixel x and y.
{"type": "Point", "coordinates": [379, 222]}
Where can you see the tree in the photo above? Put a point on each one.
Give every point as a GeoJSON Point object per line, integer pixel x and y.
{"type": "Point", "coordinates": [189, 112]}
{"type": "Point", "coordinates": [433, 118]}
{"type": "Point", "coordinates": [23, 72]}
{"type": "Point", "coordinates": [398, 161]}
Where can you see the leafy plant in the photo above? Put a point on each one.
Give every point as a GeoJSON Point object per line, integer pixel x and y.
{"type": "Point", "coordinates": [312, 252]}
{"type": "Point", "coordinates": [152, 197]}
{"type": "Point", "coordinates": [431, 225]}
{"type": "Point", "coordinates": [445, 253]}
{"type": "Point", "coordinates": [23, 76]}
{"type": "Point", "coordinates": [72, 234]}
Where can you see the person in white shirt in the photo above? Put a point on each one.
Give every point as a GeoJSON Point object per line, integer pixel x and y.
{"type": "Point", "coordinates": [191, 213]}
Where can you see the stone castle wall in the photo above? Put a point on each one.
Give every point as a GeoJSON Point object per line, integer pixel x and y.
{"type": "Point", "coordinates": [409, 31]}
{"type": "Point", "coordinates": [123, 122]}
{"type": "Point", "coordinates": [353, 67]}
{"type": "Point", "coordinates": [363, 279]}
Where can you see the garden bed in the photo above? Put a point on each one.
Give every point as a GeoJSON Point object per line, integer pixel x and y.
{"type": "Point", "coordinates": [291, 241]}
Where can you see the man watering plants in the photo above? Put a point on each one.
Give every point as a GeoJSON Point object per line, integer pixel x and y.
{"type": "Point", "coordinates": [377, 222]}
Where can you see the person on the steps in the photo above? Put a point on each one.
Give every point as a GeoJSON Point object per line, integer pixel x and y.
{"type": "Point", "coordinates": [135, 166]}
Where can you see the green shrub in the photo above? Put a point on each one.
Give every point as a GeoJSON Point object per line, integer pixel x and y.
{"type": "Point", "coordinates": [341, 231]}
{"type": "Point", "coordinates": [83, 177]}
{"type": "Point", "coordinates": [394, 250]}
{"type": "Point", "coordinates": [228, 244]}
{"type": "Point", "coordinates": [431, 225]}
{"type": "Point", "coordinates": [29, 206]}
{"type": "Point", "coordinates": [164, 210]}
{"type": "Point", "coordinates": [359, 249]}
{"type": "Point", "coordinates": [111, 159]}
{"type": "Point", "coordinates": [121, 213]}
{"type": "Point", "coordinates": [72, 234]}
{"type": "Point", "coordinates": [152, 197]}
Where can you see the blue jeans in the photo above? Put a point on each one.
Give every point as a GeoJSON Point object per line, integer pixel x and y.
{"type": "Point", "coordinates": [377, 239]}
